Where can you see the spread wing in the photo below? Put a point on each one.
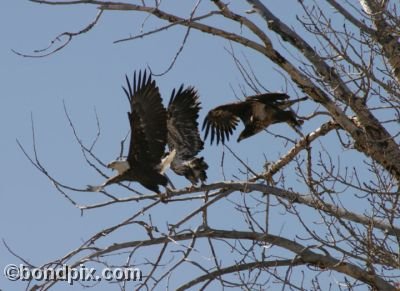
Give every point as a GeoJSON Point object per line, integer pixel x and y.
{"type": "Point", "coordinates": [183, 132]}
{"type": "Point", "coordinates": [275, 100]}
{"type": "Point", "coordinates": [147, 120]}
{"type": "Point", "coordinates": [268, 98]}
{"type": "Point", "coordinates": [222, 120]}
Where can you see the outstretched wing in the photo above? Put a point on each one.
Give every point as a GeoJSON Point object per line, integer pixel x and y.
{"type": "Point", "coordinates": [147, 120]}
{"type": "Point", "coordinates": [269, 98]}
{"type": "Point", "coordinates": [279, 100]}
{"type": "Point", "coordinates": [222, 120]}
{"type": "Point", "coordinates": [183, 132]}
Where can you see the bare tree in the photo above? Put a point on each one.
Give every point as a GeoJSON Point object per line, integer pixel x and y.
{"type": "Point", "coordinates": [344, 55]}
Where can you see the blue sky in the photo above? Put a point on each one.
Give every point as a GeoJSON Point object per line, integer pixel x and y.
{"type": "Point", "coordinates": [35, 220]}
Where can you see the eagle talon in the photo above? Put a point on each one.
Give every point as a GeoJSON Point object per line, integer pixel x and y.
{"type": "Point", "coordinates": [163, 197]}
{"type": "Point", "coordinates": [190, 188]}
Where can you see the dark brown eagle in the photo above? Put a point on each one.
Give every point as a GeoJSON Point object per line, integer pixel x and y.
{"type": "Point", "coordinates": [184, 141]}
{"type": "Point", "coordinates": [256, 112]}
{"type": "Point", "coordinates": [148, 122]}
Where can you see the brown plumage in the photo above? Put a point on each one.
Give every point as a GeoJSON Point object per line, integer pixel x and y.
{"type": "Point", "coordinates": [256, 112]}
{"type": "Point", "coordinates": [183, 135]}
{"type": "Point", "coordinates": [147, 118]}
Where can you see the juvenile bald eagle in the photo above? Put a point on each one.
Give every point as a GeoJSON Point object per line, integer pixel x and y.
{"type": "Point", "coordinates": [256, 112]}
{"type": "Point", "coordinates": [183, 135]}
{"type": "Point", "coordinates": [148, 122]}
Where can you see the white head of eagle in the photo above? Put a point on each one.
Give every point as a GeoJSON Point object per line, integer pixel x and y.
{"type": "Point", "coordinates": [120, 165]}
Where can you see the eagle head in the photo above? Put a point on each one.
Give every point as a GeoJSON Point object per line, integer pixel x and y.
{"type": "Point", "coordinates": [249, 130]}
{"type": "Point", "coordinates": [120, 165]}
{"type": "Point", "coordinates": [245, 134]}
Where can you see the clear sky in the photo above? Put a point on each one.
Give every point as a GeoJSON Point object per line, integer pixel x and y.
{"type": "Point", "coordinates": [36, 221]}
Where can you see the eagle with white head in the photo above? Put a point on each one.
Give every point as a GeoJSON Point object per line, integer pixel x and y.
{"type": "Point", "coordinates": [148, 122]}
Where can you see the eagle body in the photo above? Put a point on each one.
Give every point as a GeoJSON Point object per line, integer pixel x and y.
{"type": "Point", "coordinates": [149, 178]}
{"type": "Point", "coordinates": [194, 170]}
{"type": "Point", "coordinates": [148, 122]}
{"type": "Point", "coordinates": [256, 112]}
{"type": "Point", "coordinates": [183, 135]}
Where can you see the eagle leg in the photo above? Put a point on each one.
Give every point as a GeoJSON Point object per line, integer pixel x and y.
{"type": "Point", "coordinates": [164, 196]}
{"type": "Point", "coordinates": [170, 182]}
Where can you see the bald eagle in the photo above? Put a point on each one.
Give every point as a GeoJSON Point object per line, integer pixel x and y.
{"type": "Point", "coordinates": [148, 122]}
{"type": "Point", "coordinates": [256, 112]}
{"type": "Point", "coordinates": [183, 135]}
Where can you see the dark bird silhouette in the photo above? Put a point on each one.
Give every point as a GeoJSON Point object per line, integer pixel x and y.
{"type": "Point", "coordinates": [184, 141]}
{"type": "Point", "coordinates": [148, 122]}
{"type": "Point", "coordinates": [256, 112]}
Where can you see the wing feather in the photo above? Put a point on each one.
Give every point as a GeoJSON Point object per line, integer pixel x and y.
{"type": "Point", "coordinates": [183, 132]}
{"type": "Point", "coordinates": [275, 100]}
{"type": "Point", "coordinates": [268, 98]}
{"type": "Point", "coordinates": [147, 120]}
{"type": "Point", "coordinates": [223, 120]}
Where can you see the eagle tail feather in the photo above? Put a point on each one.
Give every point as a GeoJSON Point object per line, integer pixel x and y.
{"type": "Point", "coordinates": [199, 167]}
